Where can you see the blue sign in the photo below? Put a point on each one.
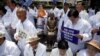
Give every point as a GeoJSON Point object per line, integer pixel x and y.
{"type": "Point", "coordinates": [69, 35]}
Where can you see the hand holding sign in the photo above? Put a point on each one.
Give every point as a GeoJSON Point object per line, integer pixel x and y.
{"type": "Point", "coordinates": [22, 34]}
{"type": "Point", "coordinates": [79, 36]}
{"type": "Point", "coordinates": [16, 36]}
{"type": "Point", "coordinates": [70, 35]}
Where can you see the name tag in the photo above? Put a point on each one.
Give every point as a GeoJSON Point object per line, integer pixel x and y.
{"type": "Point", "coordinates": [69, 34]}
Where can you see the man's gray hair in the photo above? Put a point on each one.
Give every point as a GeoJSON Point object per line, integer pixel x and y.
{"type": "Point", "coordinates": [21, 9]}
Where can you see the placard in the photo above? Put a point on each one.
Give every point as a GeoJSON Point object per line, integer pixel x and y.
{"type": "Point", "coordinates": [22, 34]}
{"type": "Point", "coordinates": [69, 34]}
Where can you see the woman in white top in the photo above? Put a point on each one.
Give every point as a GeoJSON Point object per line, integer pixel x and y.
{"type": "Point", "coordinates": [62, 50]}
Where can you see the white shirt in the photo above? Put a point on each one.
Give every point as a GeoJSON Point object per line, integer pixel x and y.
{"type": "Point", "coordinates": [85, 30]}
{"type": "Point", "coordinates": [29, 28]}
{"type": "Point", "coordinates": [31, 14]}
{"type": "Point", "coordinates": [2, 27]}
{"type": "Point", "coordinates": [59, 27]}
{"type": "Point", "coordinates": [64, 18]}
{"type": "Point", "coordinates": [8, 9]}
{"type": "Point", "coordinates": [96, 20]}
{"type": "Point", "coordinates": [40, 50]}
{"type": "Point", "coordinates": [56, 12]}
{"type": "Point", "coordinates": [63, 14]}
{"type": "Point", "coordinates": [9, 48]}
{"type": "Point", "coordinates": [91, 12]}
{"type": "Point", "coordinates": [6, 19]}
{"type": "Point", "coordinates": [84, 53]}
{"type": "Point", "coordinates": [55, 52]}
{"type": "Point", "coordinates": [10, 18]}
{"type": "Point", "coordinates": [14, 18]}
{"type": "Point", "coordinates": [92, 21]}
{"type": "Point", "coordinates": [84, 15]}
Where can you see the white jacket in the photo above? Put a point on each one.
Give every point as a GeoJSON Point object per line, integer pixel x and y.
{"type": "Point", "coordinates": [84, 15]}
{"type": "Point", "coordinates": [63, 14]}
{"type": "Point", "coordinates": [10, 18]}
{"type": "Point", "coordinates": [95, 22]}
{"type": "Point", "coordinates": [55, 52]}
{"type": "Point", "coordinates": [64, 18]}
{"type": "Point", "coordinates": [9, 48]}
{"type": "Point", "coordinates": [29, 28]}
{"type": "Point", "coordinates": [31, 14]}
{"type": "Point", "coordinates": [85, 30]}
{"type": "Point", "coordinates": [40, 50]}
{"type": "Point", "coordinates": [56, 12]}
{"type": "Point", "coordinates": [2, 27]}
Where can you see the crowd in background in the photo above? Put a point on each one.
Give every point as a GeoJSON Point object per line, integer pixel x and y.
{"type": "Point", "coordinates": [27, 30]}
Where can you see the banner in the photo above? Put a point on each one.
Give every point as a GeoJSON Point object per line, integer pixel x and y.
{"type": "Point", "coordinates": [69, 35]}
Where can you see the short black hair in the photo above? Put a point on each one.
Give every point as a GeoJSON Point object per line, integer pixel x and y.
{"type": "Point", "coordinates": [73, 12]}
{"type": "Point", "coordinates": [66, 4]}
{"type": "Point", "coordinates": [62, 44]}
{"type": "Point", "coordinates": [83, 4]}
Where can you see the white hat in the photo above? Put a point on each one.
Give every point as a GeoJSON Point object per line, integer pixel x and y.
{"type": "Point", "coordinates": [32, 39]}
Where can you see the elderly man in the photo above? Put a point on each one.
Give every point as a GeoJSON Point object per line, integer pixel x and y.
{"type": "Point", "coordinates": [25, 26]}
{"type": "Point", "coordinates": [34, 48]}
{"type": "Point", "coordinates": [8, 48]}
{"type": "Point", "coordinates": [93, 49]}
